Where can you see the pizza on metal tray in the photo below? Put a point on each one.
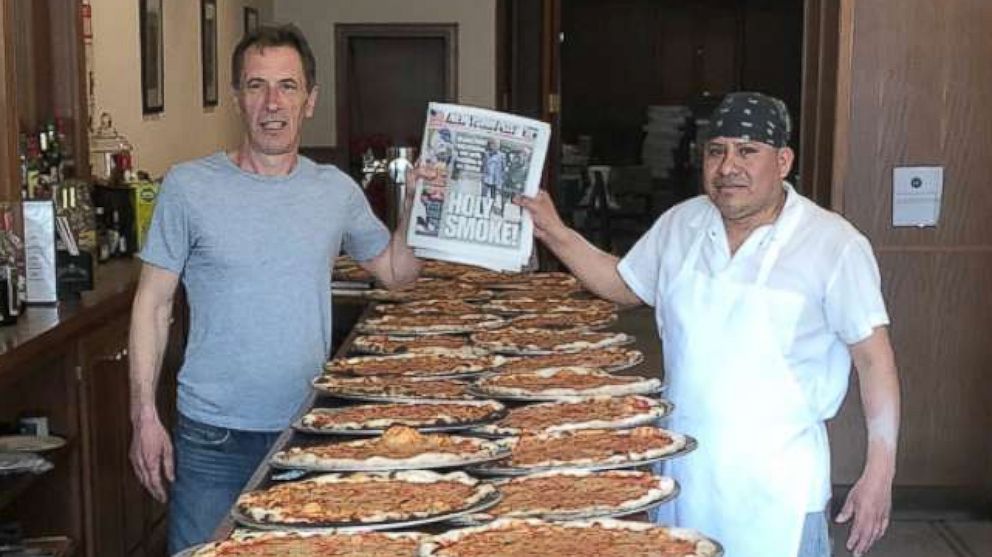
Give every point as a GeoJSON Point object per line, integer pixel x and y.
{"type": "Point", "coordinates": [363, 498]}
{"type": "Point", "coordinates": [603, 412]}
{"type": "Point", "coordinates": [592, 447]}
{"type": "Point", "coordinates": [413, 414]}
{"type": "Point", "coordinates": [547, 305]}
{"type": "Point", "coordinates": [570, 381]}
{"type": "Point", "coordinates": [545, 341]}
{"type": "Point", "coordinates": [429, 323]}
{"type": "Point", "coordinates": [398, 344]}
{"type": "Point", "coordinates": [571, 494]}
{"type": "Point", "coordinates": [609, 359]}
{"type": "Point", "coordinates": [587, 320]}
{"type": "Point", "coordinates": [602, 537]}
{"type": "Point", "coordinates": [392, 387]}
{"type": "Point", "coordinates": [315, 544]}
{"type": "Point", "coordinates": [416, 364]}
{"type": "Point", "coordinates": [430, 289]}
{"type": "Point", "coordinates": [398, 448]}
{"type": "Point", "coordinates": [451, 307]}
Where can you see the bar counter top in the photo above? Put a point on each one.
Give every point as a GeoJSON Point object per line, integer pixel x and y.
{"type": "Point", "coordinates": [42, 327]}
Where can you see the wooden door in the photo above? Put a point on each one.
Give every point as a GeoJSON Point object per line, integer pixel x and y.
{"type": "Point", "coordinates": [386, 75]}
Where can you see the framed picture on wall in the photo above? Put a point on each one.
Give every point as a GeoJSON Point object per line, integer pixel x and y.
{"type": "Point", "coordinates": [152, 56]}
{"type": "Point", "coordinates": [208, 50]}
{"type": "Point", "coordinates": [251, 19]}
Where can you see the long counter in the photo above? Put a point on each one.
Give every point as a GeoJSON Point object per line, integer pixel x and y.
{"type": "Point", "coordinates": [650, 367]}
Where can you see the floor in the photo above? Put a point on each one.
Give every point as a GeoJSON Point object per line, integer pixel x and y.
{"type": "Point", "coordinates": [913, 533]}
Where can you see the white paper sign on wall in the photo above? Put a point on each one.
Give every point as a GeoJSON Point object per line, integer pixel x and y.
{"type": "Point", "coordinates": [916, 193]}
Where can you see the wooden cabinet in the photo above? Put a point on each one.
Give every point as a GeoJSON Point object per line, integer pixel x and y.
{"type": "Point", "coordinates": [74, 369]}
{"type": "Point", "coordinates": [122, 518]}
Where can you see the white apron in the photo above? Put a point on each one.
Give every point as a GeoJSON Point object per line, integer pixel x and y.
{"type": "Point", "coordinates": [748, 483]}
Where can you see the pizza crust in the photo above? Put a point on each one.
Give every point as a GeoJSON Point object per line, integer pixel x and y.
{"type": "Point", "coordinates": [312, 419]}
{"type": "Point", "coordinates": [491, 386]}
{"type": "Point", "coordinates": [502, 340]}
{"type": "Point", "coordinates": [253, 539]}
{"type": "Point", "coordinates": [435, 547]}
{"type": "Point", "coordinates": [248, 506]}
{"type": "Point", "coordinates": [652, 410]}
{"type": "Point", "coordinates": [678, 442]}
{"type": "Point", "coordinates": [395, 439]}
{"type": "Point", "coordinates": [663, 487]}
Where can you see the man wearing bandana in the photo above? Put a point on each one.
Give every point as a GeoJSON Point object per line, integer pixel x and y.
{"type": "Point", "coordinates": [762, 300]}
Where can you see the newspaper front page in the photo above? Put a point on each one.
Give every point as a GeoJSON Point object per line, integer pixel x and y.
{"type": "Point", "coordinates": [483, 158]}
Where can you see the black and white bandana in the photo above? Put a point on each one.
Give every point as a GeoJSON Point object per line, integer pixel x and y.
{"type": "Point", "coordinates": [752, 117]}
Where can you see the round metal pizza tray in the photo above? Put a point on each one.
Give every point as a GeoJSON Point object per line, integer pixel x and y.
{"type": "Point", "coordinates": [482, 505]}
{"type": "Point", "coordinates": [468, 520]}
{"type": "Point", "coordinates": [437, 428]}
{"type": "Point", "coordinates": [390, 467]}
{"type": "Point", "coordinates": [473, 390]}
{"type": "Point", "coordinates": [540, 352]}
{"type": "Point", "coordinates": [632, 423]}
{"type": "Point", "coordinates": [389, 399]}
{"type": "Point", "coordinates": [496, 470]}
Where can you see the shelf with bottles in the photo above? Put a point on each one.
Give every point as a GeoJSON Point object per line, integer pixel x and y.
{"type": "Point", "coordinates": [46, 159]}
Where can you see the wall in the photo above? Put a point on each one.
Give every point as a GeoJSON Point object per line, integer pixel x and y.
{"type": "Point", "coordinates": [920, 81]}
{"type": "Point", "coordinates": [186, 129]}
{"type": "Point", "coordinates": [476, 21]}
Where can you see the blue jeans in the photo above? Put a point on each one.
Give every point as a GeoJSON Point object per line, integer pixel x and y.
{"type": "Point", "coordinates": [213, 464]}
{"type": "Point", "coordinates": [815, 541]}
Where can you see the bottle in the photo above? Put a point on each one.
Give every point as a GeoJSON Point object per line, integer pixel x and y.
{"type": "Point", "coordinates": [102, 240]}
{"type": "Point", "coordinates": [116, 235]}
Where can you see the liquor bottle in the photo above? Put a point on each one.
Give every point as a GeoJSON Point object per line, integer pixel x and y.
{"type": "Point", "coordinates": [53, 156]}
{"type": "Point", "coordinates": [102, 239]}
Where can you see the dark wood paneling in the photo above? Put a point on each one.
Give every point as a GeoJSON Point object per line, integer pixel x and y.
{"type": "Point", "coordinates": [920, 81]}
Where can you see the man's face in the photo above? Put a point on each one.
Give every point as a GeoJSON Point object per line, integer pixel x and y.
{"type": "Point", "coordinates": [744, 178]}
{"type": "Point", "coordinates": [273, 99]}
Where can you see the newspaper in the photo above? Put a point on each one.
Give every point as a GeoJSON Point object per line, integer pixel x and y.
{"type": "Point", "coordinates": [483, 159]}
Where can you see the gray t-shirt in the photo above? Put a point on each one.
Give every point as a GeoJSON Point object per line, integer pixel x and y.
{"type": "Point", "coordinates": [254, 253]}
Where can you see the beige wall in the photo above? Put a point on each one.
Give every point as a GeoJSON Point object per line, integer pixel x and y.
{"type": "Point", "coordinates": [186, 129]}
{"type": "Point", "coordinates": [476, 21]}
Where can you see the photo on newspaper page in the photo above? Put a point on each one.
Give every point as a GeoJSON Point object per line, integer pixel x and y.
{"type": "Point", "coordinates": [484, 158]}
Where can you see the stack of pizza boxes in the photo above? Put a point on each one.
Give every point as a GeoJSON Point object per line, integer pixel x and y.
{"type": "Point", "coordinates": [477, 404]}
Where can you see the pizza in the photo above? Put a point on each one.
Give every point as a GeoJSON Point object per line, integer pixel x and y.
{"type": "Point", "coordinates": [431, 289]}
{"type": "Point", "coordinates": [450, 363]}
{"type": "Point", "coordinates": [603, 412]}
{"type": "Point", "coordinates": [397, 344]}
{"type": "Point", "coordinates": [572, 381]}
{"type": "Point", "coordinates": [451, 307]}
{"type": "Point", "coordinates": [398, 448]}
{"type": "Point", "coordinates": [363, 498]}
{"type": "Point", "coordinates": [347, 269]}
{"type": "Point", "coordinates": [445, 269]}
{"type": "Point", "coordinates": [571, 494]}
{"type": "Point", "coordinates": [315, 544]}
{"type": "Point", "coordinates": [601, 537]}
{"type": "Point", "coordinates": [391, 388]}
{"type": "Point", "coordinates": [377, 417]}
{"type": "Point", "coordinates": [520, 281]}
{"type": "Point", "coordinates": [591, 448]}
{"type": "Point", "coordinates": [429, 323]}
{"type": "Point", "coordinates": [608, 359]}
{"type": "Point", "coordinates": [545, 341]}
{"type": "Point", "coordinates": [547, 305]}
{"type": "Point", "coordinates": [541, 292]}
{"type": "Point", "coordinates": [586, 320]}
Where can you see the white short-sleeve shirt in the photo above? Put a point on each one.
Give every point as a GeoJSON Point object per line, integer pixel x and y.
{"type": "Point", "coordinates": [826, 261]}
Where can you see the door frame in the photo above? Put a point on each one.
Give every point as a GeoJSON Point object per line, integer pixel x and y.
{"type": "Point", "coordinates": [344, 32]}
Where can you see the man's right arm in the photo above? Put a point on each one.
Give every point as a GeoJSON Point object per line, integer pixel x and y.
{"type": "Point", "coordinates": [596, 269]}
{"type": "Point", "coordinates": [151, 449]}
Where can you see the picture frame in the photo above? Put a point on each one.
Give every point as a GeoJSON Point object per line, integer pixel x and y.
{"type": "Point", "coordinates": [208, 50]}
{"type": "Point", "coordinates": [152, 56]}
{"type": "Point", "coordinates": [251, 19]}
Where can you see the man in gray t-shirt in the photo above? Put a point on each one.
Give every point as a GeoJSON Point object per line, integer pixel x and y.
{"type": "Point", "coordinates": [252, 234]}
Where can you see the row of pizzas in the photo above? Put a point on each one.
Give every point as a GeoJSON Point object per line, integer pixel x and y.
{"type": "Point", "coordinates": [487, 409]}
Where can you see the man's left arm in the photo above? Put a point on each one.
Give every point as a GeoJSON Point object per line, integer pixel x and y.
{"type": "Point", "coordinates": [869, 502]}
